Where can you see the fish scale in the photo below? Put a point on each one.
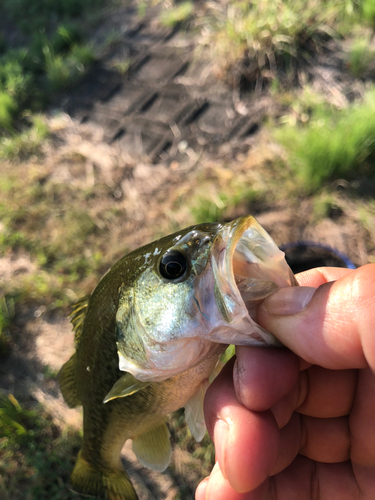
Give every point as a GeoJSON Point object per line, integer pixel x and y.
{"type": "Point", "coordinates": [151, 335]}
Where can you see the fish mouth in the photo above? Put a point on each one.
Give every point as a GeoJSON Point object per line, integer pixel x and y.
{"type": "Point", "coordinates": [247, 267]}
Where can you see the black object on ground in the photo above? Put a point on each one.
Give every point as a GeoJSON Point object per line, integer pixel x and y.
{"type": "Point", "coordinates": [304, 255]}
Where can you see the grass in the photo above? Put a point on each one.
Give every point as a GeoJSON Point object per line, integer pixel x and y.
{"type": "Point", "coordinates": [209, 209]}
{"type": "Point", "coordinates": [121, 66]}
{"type": "Point", "coordinates": [45, 219]}
{"type": "Point", "coordinates": [32, 17]}
{"type": "Point", "coordinates": [6, 314]}
{"type": "Point", "coordinates": [35, 457]}
{"type": "Point", "coordinates": [26, 143]}
{"type": "Point", "coordinates": [368, 12]}
{"type": "Point", "coordinates": [203, 451]}
{"type": "Point", "coordinates": [219, 205]}
{"type": "Point", "coordinates": [265, 39]}
{"type": "Point", "coordinates": [361, 57]}
{"type": "Point", "coordinates": [46, 55]}
{"type": "Point", "coordinates": [72, 231]}
{"type": "Point", "coordinates": [8, 108]}
{"type": "Point", "coordinates": [366, 215]}
{"type": "Point", "coordinates": [177, 14]}
{"type": "Point", "coordinates": [332, 143]}
{"type": "Point", "coordinates": [324, 205]}
{"type": "Point", "coordinates": [63, 71]}
{"type": "Point", "coordinates": [51, 224]}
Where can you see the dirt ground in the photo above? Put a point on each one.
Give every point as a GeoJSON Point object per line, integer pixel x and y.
{"type": "Point", "coordinates": [155, 192]}
{"type": "Point", "coordinates": [44, 341]}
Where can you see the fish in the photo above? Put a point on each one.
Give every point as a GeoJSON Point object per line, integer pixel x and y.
{"type": "Point", "coordinates": [151, 336]}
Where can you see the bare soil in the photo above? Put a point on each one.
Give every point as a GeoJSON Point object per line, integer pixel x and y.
{"type": "Point", "coordinates": [117, 132]}
{"type": "Point", "coordinates": [149, 195]}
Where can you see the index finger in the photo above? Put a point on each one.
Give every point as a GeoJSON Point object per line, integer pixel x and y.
{"type": "Point", "coordinates": [330, 325]}
{"type": "Point", "coordinates": [320, 275]}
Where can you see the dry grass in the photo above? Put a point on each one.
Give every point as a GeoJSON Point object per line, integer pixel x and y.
{"type": "Point", "coordinates": [72, 205]}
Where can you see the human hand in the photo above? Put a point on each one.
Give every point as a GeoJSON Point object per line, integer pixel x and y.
{"type": "Point", "coordinates": [299, 424]}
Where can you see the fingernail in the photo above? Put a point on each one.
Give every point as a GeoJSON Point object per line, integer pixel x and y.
{"type": "Point", "coordinates": [221, 432]}
{"type": "Point", "coordinates": [288, 301]}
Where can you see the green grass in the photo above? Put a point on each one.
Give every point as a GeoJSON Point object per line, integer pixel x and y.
{"type": "Point", "coordinates": [181, 434]}
{"type": "Point", "coordinates": [47, 54]}
{"type": "Point", "coordinates": [324, 205]}
{"type": "Point", "coordinates": [215, 207]}
{"type": "Point", "coordinates": [35, 457]}
{"type": "Point", "coordinates": [270, 38]}
{"type": "Point", "coordinates": [177, 14]}
{"type": "Point", "coordinates": [361, 57]}
{"type": "Point", "coordinates": [26, 143]}
{"type": "Point", "coordinates": [8, 109]}
{"type": "Point", "coordinates": [209, 209]}
{"type": "Point", "coordinates": [121, 66]}
{"type": "Point", "coordinates": [38, 15]}
{"type": "Point", "coordinates": [31, 77]}
{"type": "Point", "coordinates": [63, 71]}
{"type": "Point", "coordinates": [332, 143]}
{"type": "Point", "coordinates": [6, 314]}
{"type": "Point", "coordinates": [55, 224]}
{"type": "Point", "coordinates": [65, 229]}
{"type": "Point", "coordinates": [368, 12]}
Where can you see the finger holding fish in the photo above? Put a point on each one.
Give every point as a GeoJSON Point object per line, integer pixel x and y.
{"type": "Point", "coordinates": [324, 414]}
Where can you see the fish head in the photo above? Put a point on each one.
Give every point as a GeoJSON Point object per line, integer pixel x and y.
{"type": "Point", "coordinates": [197, 291]}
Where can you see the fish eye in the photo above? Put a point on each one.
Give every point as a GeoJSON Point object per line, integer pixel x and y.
{"type": "Point", "coordinates": [173, 265]}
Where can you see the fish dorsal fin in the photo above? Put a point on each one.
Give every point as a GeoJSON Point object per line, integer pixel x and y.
{"type": "Point", "coordinates": [67, 383]}
{"type": "Point", "coordinates": [153, 448]}
{"type": "Point", "coordinates": [77, 317]}
{"type": "Point", "coordinates": [194, 414]}
{"type": "Point", "coordinates": [125, 386]}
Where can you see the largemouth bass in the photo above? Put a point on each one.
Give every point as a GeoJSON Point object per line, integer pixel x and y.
{"type": "Point", "coordinates": [151, 334]}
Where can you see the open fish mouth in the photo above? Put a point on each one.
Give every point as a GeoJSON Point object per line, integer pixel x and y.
{"type": "Point", "coordinates": [247, 267]}
{"type": "Point", "coordinates": [213, 299]}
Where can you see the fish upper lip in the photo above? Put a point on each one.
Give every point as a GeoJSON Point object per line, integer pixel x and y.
{"type": "Point", "coordinates": [258, 249]}
{"type": "Point", "coordinates": [222, 253]}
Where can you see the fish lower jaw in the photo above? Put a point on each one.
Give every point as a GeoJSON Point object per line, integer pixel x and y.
{"type": "Point", "coordinates": [246, 333]}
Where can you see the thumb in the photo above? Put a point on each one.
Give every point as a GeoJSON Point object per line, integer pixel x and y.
{"type": "Point", "coordinates": [333, 325]}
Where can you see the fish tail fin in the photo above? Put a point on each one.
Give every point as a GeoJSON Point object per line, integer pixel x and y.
{"type": "Point", "coordinates": [102, 483]}
{"type": "Point", "coordinates": [67, 383]}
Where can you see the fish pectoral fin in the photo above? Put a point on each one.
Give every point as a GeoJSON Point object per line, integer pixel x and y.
{"type": "Point", "coordinates": [194, 414]}
{"type": "Point", "coordinates": [153, 448]}
{"type": "Point", "coordinates": [125, 386]}
{"type": "Point", "coordinates": [68, 384]}
{"type": "Point", "coordinates": [100, 482]}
